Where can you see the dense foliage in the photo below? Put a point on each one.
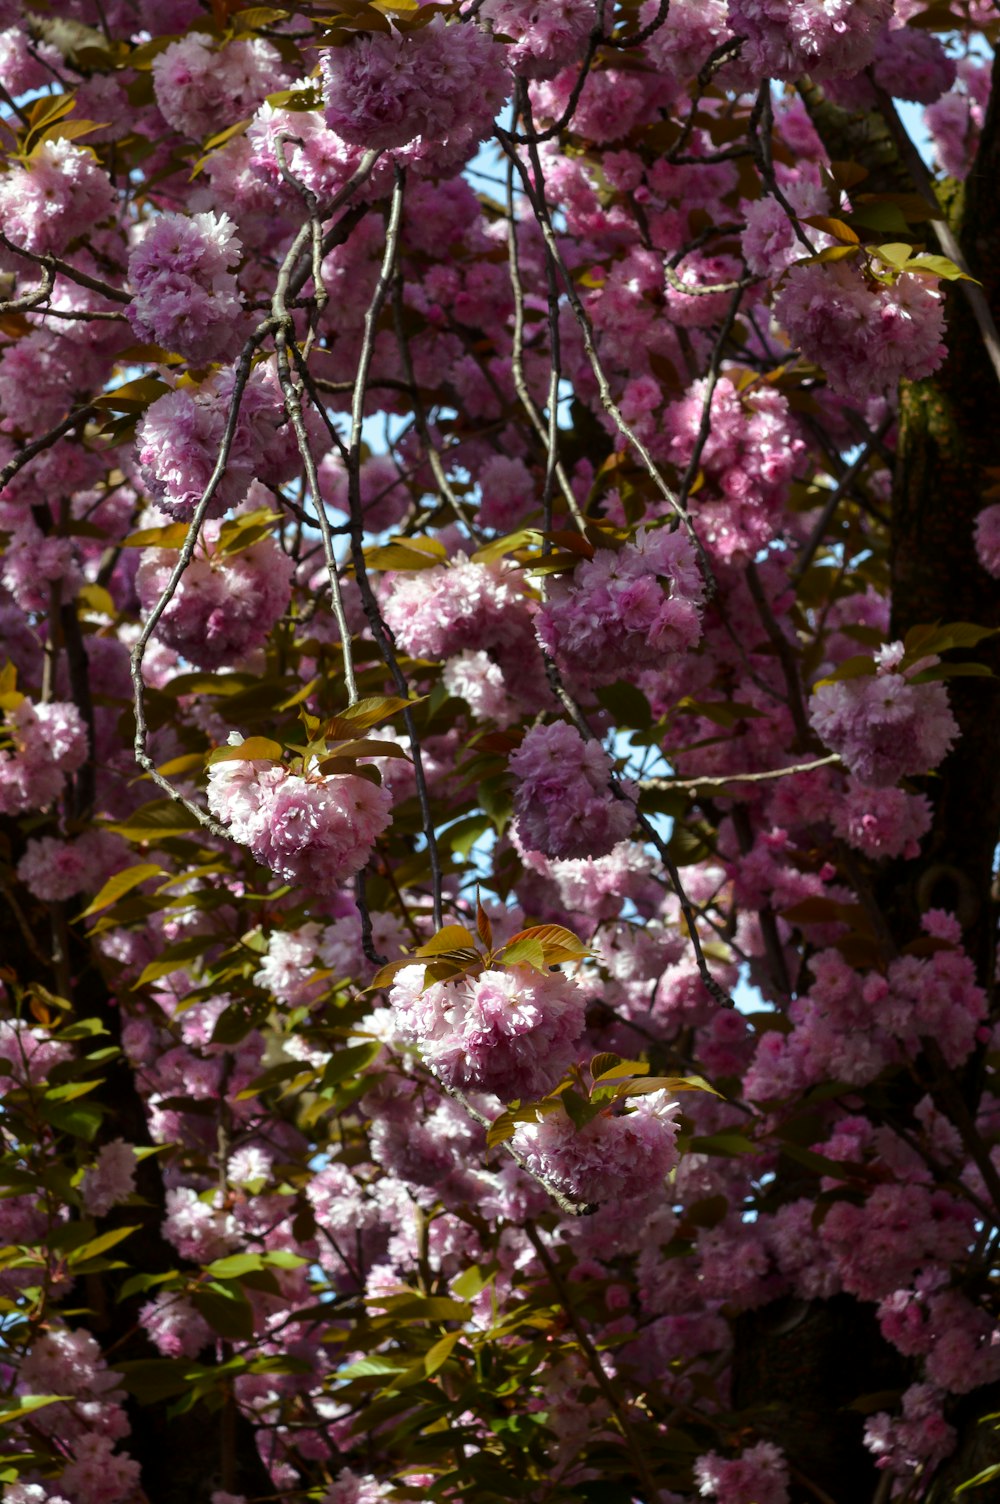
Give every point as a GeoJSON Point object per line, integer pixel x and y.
{"type": "Point", "coordinates": [498, 760]}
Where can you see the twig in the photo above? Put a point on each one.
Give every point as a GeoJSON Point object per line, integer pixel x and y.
{"type": "Point", "coordinates": [66, 269]}
{"type": "Point", "coordinates": [718, 783]}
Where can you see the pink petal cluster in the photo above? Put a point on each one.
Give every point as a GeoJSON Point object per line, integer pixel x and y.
{"type": "Point", "coordinates": [615, 1158]}
{"type": "Point", "coordinates": [225, 605]}
{"type": "Point", "coordinates": [39, 745]}
{"type": "Point", "coordinates": [200, 89]}
{"type": "Point", "coordinates": [919, 1437]}
{"type": "Point", "coordinates": [460, 607]}
{"type": "Point", "coordinates": [355, 1488]}
{"type": "Point", "coordinates": [544, 35]}
{"type": "Point", "coordinates": [55, 869]}
{"type": "Point", "coordinates": [316, 831]}
{"type": "Point", "coordinates": [882, 822]}
{"type": "Point", "coordinates": [824, 38]}
{"type": "Point", "coordinates": [987, 537]}
{"type": "Point", "coordinates": [955, 121]}
{"type": "Point", "coordinates": [885, 727]}
{"type": "Point", "coordinates": [174, 1326]}
{"type": "Point", "coordinates": [443, 83]}
{"type": "Point", "coordinates": [179, 439]}
{"type": "Point", "coordinates": [759, 1475]}
{"type": "Point", "coordinates": [563, 803]}
{"type": "Point", "coordinates": [60, 194]}
{"type": "Point", "coordinates": [184, 292]}
{"type": "Point", "coordinates": [631, 607]}
{"type": "Point", "coordinates": [512, 1033]}
{"type": "Point", "coordinates": [748, 461]}
{"type": "Point", "coordinates": [476, 679]}
{"type": "Point", "coordinates": [111, 1179]}
{"type": "Point", "coordinates": [866, 336]}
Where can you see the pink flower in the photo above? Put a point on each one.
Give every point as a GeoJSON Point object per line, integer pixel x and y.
{"type": "Point", "coordinates": [865, 337]}
{"type": "Point", "coordinates": [758, 1476]}
{"type": "Point", "coordinates": [988, 539]}
{"type": "Point", "coordinates": [512, 1033]}
{"type": "Point", "coordinates": [317, 831]}
{"type": "Point", "coordinates": [61, 194]}
{"type": "Point", "coordinates": [111, 1180]}
{"type": "Point", "coordinates": [621, 1158]}
{"type": "Point", "coordinates": [443, 83]}
{"type": "Point", "coordinates": [174, 1326]}
{"type": "Point", "coordinates": [200, 89]}
{"type": "Point", "coordinates": [629, 608]}
{"type": "Point", "coordinates": [563, 803]}
{"type": "Point", "coordinates": [545, 34]}
{"type": "Point", "coordinates": [882, 822]}
{"type": "Point", "coordinates": [225, 605]}
{"type": "Point", "coordinates": [185, 295]}
{"type": "Point", "coordinates": [884, 727]}
{"type": "Point", "coordinates": [786, 38]}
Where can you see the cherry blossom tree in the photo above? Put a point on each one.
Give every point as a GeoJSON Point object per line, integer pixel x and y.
{"type": "Point", "coordinates": [500, 521]}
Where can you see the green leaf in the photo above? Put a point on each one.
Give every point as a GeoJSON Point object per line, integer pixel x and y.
{"type": "Point", "coordinates": [122, 882]}
{"type": "Point", "coordinates": [227, 1312]}
{"type": "Point", "coordinates": [235, 1264]}
{"type": "Point", "coordinates": [348, 1062]}
{"type": "Point", "coordinates": [986, 1476]}
{"type": "Point", "coordinates": [452, 938]}
{"type": "Point", "coordinates": [437, 1356]}
{"type": "Point", "coordinates": [407, 554]}
{"type": "Point", "coordinates": [524, 950]}
{"type": "Point", "coordinates": [557, 944]}
{"type": "Point", "coordinates": [939, 266]}
{"type": "Point", "coordinates": [158, 817]}
{"type": "Point", "coordinates": [17, 1408]}
{"type": "Point", "coordinates": [250, 750]}
{"type": "Point", "coordinates": [101, 1244]}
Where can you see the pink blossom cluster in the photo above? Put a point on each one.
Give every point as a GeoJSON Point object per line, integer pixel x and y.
{"type": "Point", "coordinates": [179, 440]}
{"type": "Point", "coordinates": [200, 88]}
{"type": "Point", "coordinates": [54, 869]}
{"type": "Point", "coordinates": [631, 606]}
{"type": "Point", "coordinates": [39, 746]}
{"type": "Point", "coordinates": [544, 35]}
{"type": "Point", "coordinates": [563, 800]}
{"type": "Point", "coordinates": [748, 461]}
{"type": "Point", "coordinates": [759, 1475]}
{"type": "Point", "coordinates": [848, 1026]}
{"type": "Point", "coordinates": [59, 194]}
{"type": "Point", "coordinates": [882, 822]}
{"type": "Point", "coordinates": [312, 830]}
{"type": "Point", "coordinates": [185, 294]}
{"type": "Point", "coordinates": [442, 83]}
{"type": "Point", "coordinates": [509, 1032]}
{"type": "Point", "coordinates": [884, 725]}
{"type": "Point", "coordinates": [225, 605]}
{"type": "Point", "coordinates": [867, 336]}
{"type": "Point", "coordinates": [174, 1325]}
{"type": "Point", "coordinates": [616, 1158]}
{"type": "Point", "coordinates": [920, 1437]}
{"type": "Point", "coordinates": [987, 539]}
{"type": "Point", "coordinates": [111, 1179]}
{"type": "Point", "coordinates": [786, 38]}
{"type": "Point", "coordinates": [461, 607]}
{"type": "Point", "coordinates": [955, 121]}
